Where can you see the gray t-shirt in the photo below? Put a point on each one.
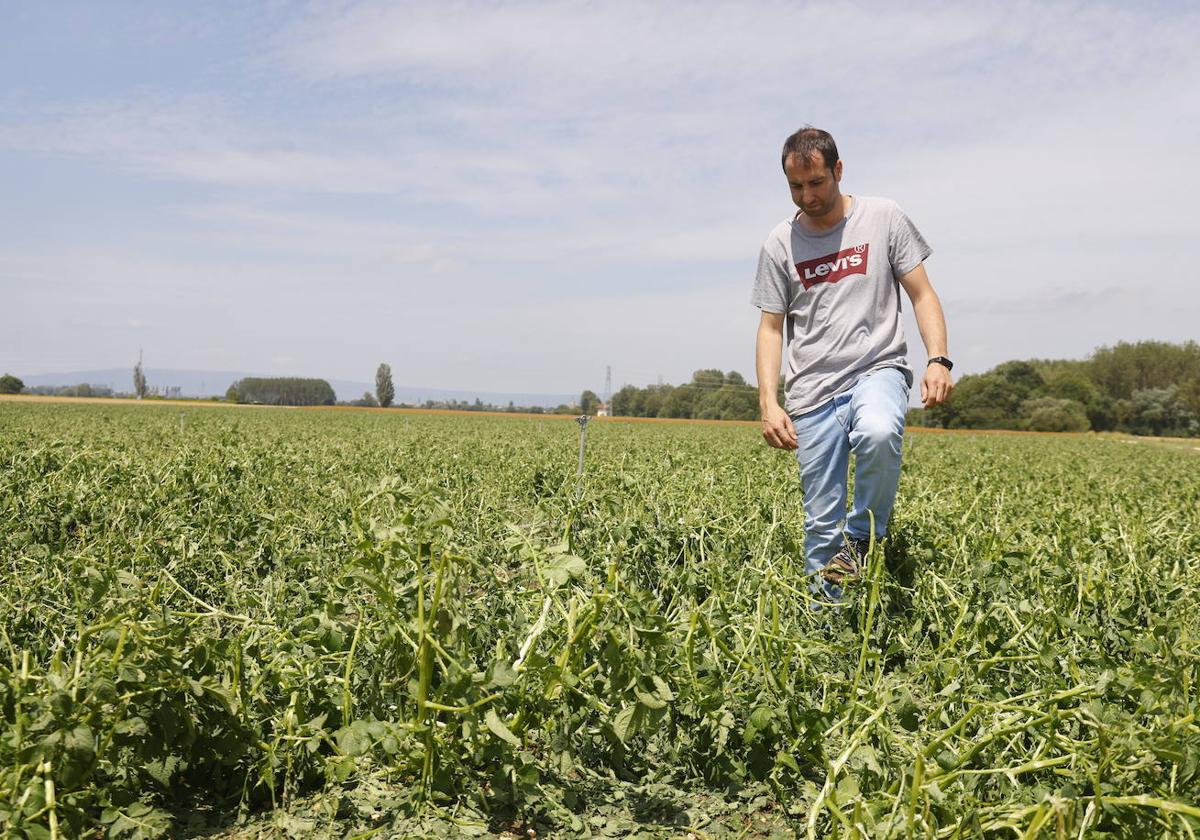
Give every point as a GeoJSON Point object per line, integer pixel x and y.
{"type": "Point", "coordinates": [841, 293]}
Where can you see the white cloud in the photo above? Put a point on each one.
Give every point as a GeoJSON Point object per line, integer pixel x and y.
{"type": "Point", "coordinates": [616, 163]}
{"type": "Point", "coordinates": [654, 47]}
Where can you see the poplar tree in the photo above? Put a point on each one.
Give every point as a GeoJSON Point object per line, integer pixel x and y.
{"type": "Point", "coordinates": [139, 378]}
{"type": "Point", "coordinates": [385, 392]}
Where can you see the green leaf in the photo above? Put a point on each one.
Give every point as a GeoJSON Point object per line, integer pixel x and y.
{"type": "Point", "coordinates": [79, 754]}
{"type": "Point", "coordinates": [785, 759]}
{"type": "Point", "coordinates": [864, 757]}
{"type": "Point", "coordinates": [502, 673]}
{"type": "Point", "coordinates": [648, 700]}
{"type": "Point", "coordinates": [564, 568]}
{"type": "Point", "coordinates": [134, 727]}
{"type": "Point", "coordinates": [138, 809]}
{"type": "Point", "coordinates": [627, 722]}
{"type": "Point", "coordinates": [760, 719]}
{"type": "Point", "coordinates": [497, 727]}
{"type": "Point", "coordinates": [354, 739]}
{"type": "Point", "coordinates": [847, 789]}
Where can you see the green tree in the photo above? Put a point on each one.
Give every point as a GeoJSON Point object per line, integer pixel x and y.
{"type": "Point", "coordinates": [627, 402]}
{"type": "Point", "coordinates": [139, 378]}
{"type": "Point", "coordinates": [588, 402]}
{"type": "Point", "coordinates": [1073, 385]}
{"type": "Point", "coordinates": [285, 390]}
{"type": "Point", "coordinates": [708, 378]}
{"type": "Point", "coordinates": [731, 402]}
{"type": "Point", "coordinates": [681, 402]}
{"type": "Point", "coordinates": [384, 389]}
{"type": "Point", "coordinates": [981, 401]}
{"type": "Point", "coordinates": [1049, 414]}
{"type": "Point", "coordinates": [1022, 376]}
{"type": "Point", "coordinates": [9, 384]}
{"type": "Point", "coordinates": [231, 393]}
{"type": "Point", "coordinates": [1161, 411]}
{"type": "Point", "coordinates": [653, 399]}
{"type": "Point", "coordinates": [1189, 392]}
{"type": "Point", "coordinates": [1126, 367]}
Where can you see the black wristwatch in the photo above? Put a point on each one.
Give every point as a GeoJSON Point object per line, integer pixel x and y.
{"type": "Point", "coordinates": [942, 360]}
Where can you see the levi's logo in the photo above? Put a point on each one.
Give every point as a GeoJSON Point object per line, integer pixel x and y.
{"type": "Point", "coordinates": [833, 267]}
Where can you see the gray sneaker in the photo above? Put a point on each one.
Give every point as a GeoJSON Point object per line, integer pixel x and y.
{"type": "Point", "coordinates": [848, 563]}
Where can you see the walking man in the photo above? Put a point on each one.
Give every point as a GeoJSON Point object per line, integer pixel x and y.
{"type": "Point", "coordinates": [830, 278]}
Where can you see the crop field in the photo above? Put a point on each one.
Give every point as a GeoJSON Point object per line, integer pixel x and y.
{"type": "Point", "coordinates": [272, 623]}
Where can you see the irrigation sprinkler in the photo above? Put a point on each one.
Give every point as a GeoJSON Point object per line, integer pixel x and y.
{"type": "Point", "coordinates": [582, 420]}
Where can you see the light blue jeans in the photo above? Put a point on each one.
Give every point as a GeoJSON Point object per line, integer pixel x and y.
{"type": "Point", "coordinates": [868, 420]}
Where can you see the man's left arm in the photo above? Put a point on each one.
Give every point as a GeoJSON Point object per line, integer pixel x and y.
{"type": "Point", "coordinates": [936, 385]}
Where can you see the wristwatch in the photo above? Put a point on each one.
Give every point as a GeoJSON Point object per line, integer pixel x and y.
{"type": "Point", "coordinates": [942, 360]}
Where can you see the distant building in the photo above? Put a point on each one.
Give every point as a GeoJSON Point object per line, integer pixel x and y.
{"type": "Point", "coordinates": [603, 410]}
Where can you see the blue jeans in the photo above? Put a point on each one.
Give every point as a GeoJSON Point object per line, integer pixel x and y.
{"type": "Point", "coordinates": [868, 420]}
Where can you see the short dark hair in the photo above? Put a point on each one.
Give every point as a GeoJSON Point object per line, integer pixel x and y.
{"type": "Point", "coordinates": [808, 140]}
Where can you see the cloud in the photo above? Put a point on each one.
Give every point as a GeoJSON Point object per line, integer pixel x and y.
{"type": "Point", "coordinates": [377, 243]}
{"type": "Point", "coordinates": [201, 139]}
{"type": "Point", "coordinates": [648, 47]}
{"type": "Point", "coordinates": [121, 324]}
{"type": "Point", "coordinates": [616, 164]}
{"type": "Point", "coordinates": [1080, 301]}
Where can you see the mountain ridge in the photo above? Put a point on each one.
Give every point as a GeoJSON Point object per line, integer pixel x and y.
{"type": "Point", "coordinates": [209, 383]}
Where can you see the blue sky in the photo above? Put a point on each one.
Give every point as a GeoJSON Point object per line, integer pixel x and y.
{"type": "Point", "coordinates": [510, 196]}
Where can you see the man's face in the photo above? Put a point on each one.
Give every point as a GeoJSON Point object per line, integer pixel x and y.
{"type": "Point", "coordinates": [814, 185]}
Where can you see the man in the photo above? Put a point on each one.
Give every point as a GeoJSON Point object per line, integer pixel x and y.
{"type": "Point", "coordinates": [831, 276]}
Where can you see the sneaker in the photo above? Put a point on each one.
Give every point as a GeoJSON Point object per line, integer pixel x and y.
{"type": "Point", "coordinates": [848, 563]}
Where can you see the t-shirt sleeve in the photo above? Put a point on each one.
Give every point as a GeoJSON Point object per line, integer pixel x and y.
{"type": "Point", "coordinates": [770, 281]}
{"type": "Point", "coordinates": [907, 249]}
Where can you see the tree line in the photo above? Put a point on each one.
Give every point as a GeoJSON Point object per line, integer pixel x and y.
{"type": "Point", "coordinates": [711, 395]}
{"type": "Point", "coordinates": [283, 390]}
{"type": "Point", "coordinates": [1144, 388]}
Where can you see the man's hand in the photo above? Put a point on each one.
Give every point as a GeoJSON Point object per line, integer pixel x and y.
{"type": "Point", "coordinates": [777, 428]}
{"type": "Point", "coordinates": [768, 350]}
{"type": "Point", "coordinates": [936, 385]}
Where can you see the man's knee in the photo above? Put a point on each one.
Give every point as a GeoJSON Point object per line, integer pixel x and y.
{"type": "Point", "coordinates": [878, 433]}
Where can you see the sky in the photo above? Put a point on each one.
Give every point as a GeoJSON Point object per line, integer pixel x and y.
{"type": "Point", "coordinates": [513, 196]}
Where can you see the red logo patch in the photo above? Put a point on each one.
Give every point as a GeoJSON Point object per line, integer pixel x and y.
{"type": "Point", "coordinates": [833, 267]}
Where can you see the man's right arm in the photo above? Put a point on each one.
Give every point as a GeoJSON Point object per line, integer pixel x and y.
{"type": "Point", "coordinates": [776, 425]}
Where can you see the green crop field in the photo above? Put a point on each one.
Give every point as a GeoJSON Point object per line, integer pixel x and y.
{"type": "Point", "coordinates": [301, 623]}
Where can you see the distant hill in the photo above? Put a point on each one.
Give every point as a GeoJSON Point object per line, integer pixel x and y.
{"type": "Point", "coordinates": [209, 383]}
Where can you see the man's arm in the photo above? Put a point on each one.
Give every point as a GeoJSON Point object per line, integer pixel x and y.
{"type": "Point", "coordinates": [936, 384]}
{"type": "Point", "coordinates": [776, 425]}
